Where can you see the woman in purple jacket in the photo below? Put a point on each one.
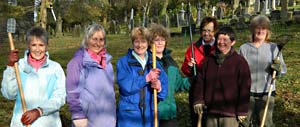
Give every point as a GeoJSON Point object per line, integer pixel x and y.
{"type": "Point", "coordinates": [90, 82]}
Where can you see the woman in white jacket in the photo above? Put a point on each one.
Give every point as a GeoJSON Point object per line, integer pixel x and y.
{"type": "Point", "coordinates": [43, 83]}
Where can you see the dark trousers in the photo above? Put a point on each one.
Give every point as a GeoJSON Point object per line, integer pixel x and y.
{"type": "Point", "coordinates": [168, 123]}
{"type": "Point", "coordinates": [193, 115]}
{"type": "Point", "coordinates": [256, 111]}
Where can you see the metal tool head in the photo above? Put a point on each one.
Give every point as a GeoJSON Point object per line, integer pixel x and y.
{"type": "Point", "coordinates": [11, 25]}
{"type": "Point", "coordinates": [282, 40]}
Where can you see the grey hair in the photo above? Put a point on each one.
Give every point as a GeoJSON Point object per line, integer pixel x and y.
{"type": "Point", "coordinates": [37, 32]}
{"type": "Point", "coordinates": [89, 32]}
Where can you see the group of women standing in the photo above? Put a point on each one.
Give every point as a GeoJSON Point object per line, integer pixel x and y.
{"type": "Point", "coordinates": [220, 89]}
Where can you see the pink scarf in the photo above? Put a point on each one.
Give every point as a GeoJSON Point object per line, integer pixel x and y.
{"type": "Point", "coordinates": [36, 63]}
{"type": "Point", "coordinates": [100, 58]}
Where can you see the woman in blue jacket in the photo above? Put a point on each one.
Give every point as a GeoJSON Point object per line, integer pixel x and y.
{"type": "Point", "coordinates": [43, 83]}
{"type": "Point", "coordinates": [137, 79]}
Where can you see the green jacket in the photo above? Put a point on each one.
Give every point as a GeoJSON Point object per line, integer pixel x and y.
{"type": "Point", "coordinates": [176, 83]}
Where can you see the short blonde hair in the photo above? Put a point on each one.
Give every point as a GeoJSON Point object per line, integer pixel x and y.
{"type": "Point", "coordinates": [260, 21]}
{"type": "Point", "coordinates": [140, 32]}
{"type": "Point", "coordinates": [159, 30]}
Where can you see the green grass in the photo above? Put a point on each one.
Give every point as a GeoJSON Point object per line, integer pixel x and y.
{"type": "Point", "coordinates": [287, 109]}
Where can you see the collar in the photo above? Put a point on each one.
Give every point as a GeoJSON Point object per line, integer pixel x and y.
{"type": "Point", "coordinates": [143, 62]}
{"type": "Point", "coordinates": [210, 43]}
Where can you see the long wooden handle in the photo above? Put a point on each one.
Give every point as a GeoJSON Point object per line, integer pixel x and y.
{"type": "Point", "coordinates": [199, 124]}
{"type": "Point", "coordinates": [268, 99]}
{"type": "Point", "coordinates": [12, 47]}
{"type": "Point", "coordinates": [154, 90]}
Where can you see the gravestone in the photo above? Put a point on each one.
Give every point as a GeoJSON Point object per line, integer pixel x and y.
{"type": "Point", "coordinates": [198, 14]}
{"type": "Point", "coordinates": [131, 22]}
{"type": "Point", "coordinates": [241, 25]}
{"type": "Point", "coordinates": [291, 2]}
{"type": "Point", "coordinates": [145, 19]}
{"type": "Point", "coordinates": [77, 31]}
{"type": "Point", "coordinates": [213, 11]}
{"type": "Point", "coordinates": [296, 16]}
{"type": "Point", "coordinates": [265, 6]}
{"type": "Point", "coordinates": [165, 21]}
{"type": "Point", "coordinates": [257, 6]}
{"type": "Point", "coordinates": [125, 16]}
{"type": "Point", "coordinates": [113, 27]}
{"type": "Point", "coordinates": [182, 21]}
{"type": "Point", "coordinates": [220, 13]}
{"type": "Point", "coordinates": [177, 20]}
{"type": "Point", "coordinates": [239, 11]}
{"type": "Point", "coordinates": [275, 15]}
{"type": "Point", "coordinates": [273, 5]}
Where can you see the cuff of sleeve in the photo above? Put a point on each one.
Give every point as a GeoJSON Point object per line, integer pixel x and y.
{"type": "Point", "coordinates": [40, 110]}
{"type": "Point", "coordinates": [198, 102]}
{"type": "Point", "coordinates": [78, 116]}
{"type": "Point", "coordinates": [159, 90]}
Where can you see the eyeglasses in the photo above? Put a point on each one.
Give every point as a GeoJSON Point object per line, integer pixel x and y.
{"type": "Point", "coordinates": [159, 40]}
{"type": "Point", "coordinates": [98, 39]}
{"type": "Point", "coordinates": [207, 31]}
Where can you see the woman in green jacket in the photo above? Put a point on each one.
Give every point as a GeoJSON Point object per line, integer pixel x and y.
{"type": "Point", "coordinates": [176, 83]}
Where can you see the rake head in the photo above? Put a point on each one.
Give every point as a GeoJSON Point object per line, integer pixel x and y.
{"type": "Point", "coordinates": [282, 40]}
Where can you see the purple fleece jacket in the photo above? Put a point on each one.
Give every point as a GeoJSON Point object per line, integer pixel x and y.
{"type": "Point", "coordinates": [90, 90]}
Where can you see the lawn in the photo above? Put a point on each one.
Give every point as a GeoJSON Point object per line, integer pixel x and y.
{"type": "Point", "coordinates": [287, 109]}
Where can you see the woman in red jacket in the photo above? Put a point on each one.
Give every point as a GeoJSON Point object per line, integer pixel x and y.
{"type": "Point", "coordinates": [204, 46]}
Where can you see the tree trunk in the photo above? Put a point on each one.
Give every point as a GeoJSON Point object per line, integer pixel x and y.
{"type": "Point", "coordinates": [164, 8]}
{"type": "Point", "coordinates": [284, 8]}
{"type": "Point", "coordinates": [148, 8]}
{"type": "Point", "coordinates": [43, 14]}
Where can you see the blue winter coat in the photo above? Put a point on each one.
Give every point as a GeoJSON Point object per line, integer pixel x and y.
{"type": "Point", "coordinates": [90, 90]}
{"type": "Point", "coordinates": [136, 104]}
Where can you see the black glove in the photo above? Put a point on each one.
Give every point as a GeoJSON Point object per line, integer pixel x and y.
{"type": "Point", "coordinates": [30, 116]}
{"type": "Point", "coordinates": [13, 57]}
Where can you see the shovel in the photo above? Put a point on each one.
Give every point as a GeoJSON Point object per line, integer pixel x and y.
{"type": "Point", "coordinates": [11, 28]}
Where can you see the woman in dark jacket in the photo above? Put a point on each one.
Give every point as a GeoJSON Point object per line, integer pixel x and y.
{"type": "Point", "coordinates": [223, 84]}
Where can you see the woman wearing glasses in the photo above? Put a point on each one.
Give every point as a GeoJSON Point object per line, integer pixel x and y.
{"type": "Point", "coordinates": [90, 82]}
{"type": "Point", "coordinates": [202, 48]}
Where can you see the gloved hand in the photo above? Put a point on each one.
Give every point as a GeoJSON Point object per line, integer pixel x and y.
{"type": "Point", "coordinates": [242, 118]}
{"type": "Point", "coordinates": [155, 84]}
{"type": "Point", "coordinates": [30, 116]}
{"type": "Point", "coordinates": [81, 122]}
{"type": "Point", "coordinates": [13, 57]}
{"type": "Point", "coordinates": [152, 75]}
{"type": "Point", "coordinates": [198, 108]}
{"type": "Point", "coordinates": [276, 65]}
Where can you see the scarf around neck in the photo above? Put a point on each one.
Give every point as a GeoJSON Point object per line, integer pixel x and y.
{"type": "Point", "coordinates": [36, 63]}
{"type": "Point", "coordinates": [220, 57]}
{"type": "Point", "coordinates": [100, 57]}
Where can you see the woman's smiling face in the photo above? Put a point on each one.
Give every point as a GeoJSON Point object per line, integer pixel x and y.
{"type": "Point", "coordinates": [37, 48]}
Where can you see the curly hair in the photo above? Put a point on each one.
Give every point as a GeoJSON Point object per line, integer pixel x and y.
{"type": "Point", "coordinates": [158, 30]}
